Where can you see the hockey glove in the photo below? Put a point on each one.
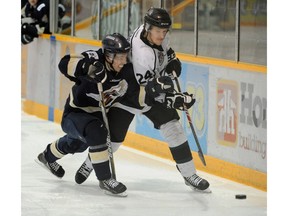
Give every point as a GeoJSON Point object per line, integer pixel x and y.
{"type": "Point", "coordinates": [171, 54]}
{"type": "Point", "coordinates": [97, 72]}
{"type": "Point", "coordinates": [26, 39]}
{"type": "Point", "coordinates": [173, 65]}
{"type": "Point", "coordinates": [159, 85]}
{"type": "Point", "coordinates": [176, 101]}
{"type": "Point", "coordinates": [31, 30]}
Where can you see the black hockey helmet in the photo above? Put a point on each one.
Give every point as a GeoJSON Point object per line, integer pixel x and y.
{"type": "Point", "coordinates": [115, 43]}
{"type": "Point", "coordinates": [157, 17]}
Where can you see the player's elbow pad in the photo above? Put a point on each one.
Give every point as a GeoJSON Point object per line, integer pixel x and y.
{"type": "Point", "coordinates": [61, 11]}
{"type": "Point", "coordinates": [63, 67]}
{"type": "Point", "coordinates": [63, 64]}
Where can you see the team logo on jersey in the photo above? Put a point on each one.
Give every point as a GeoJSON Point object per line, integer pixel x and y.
{"type": "Point", "coordinates": [227, 121]}
{"type": "Point", "coordinates": [160, 58]}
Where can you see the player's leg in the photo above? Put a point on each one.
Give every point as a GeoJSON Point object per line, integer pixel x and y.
{"type": "Point", "coordinates": [167, 120]}
{"type": "Point", "coordinates": [70, 143]}
{"type": "Point", "coordinates": [96, 136]}
{"type": "Point", "coordinates": [58, 149]}
{"type": "Point", "coordinates": [119, 121]}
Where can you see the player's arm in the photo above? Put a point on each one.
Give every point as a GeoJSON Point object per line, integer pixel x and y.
{"type": "Point", "coordinates": [61, 11]}
{"type": "Point", "coordinates": [24, 15]}
{"type": "Point", "coordinates": [156, 90]}
{"type": "Point", "coordinates": [86, 64]}
{"type": "Point", "coordinates": [41, 11]}
{"type": "Point", "coordinates": [161, 90]}
{"type": "Point", "coordinates": [173, 64]}
{"type": "Point", "coordinates": [28, 28]}
{"type": "Point", "coordinates": [176, 100]}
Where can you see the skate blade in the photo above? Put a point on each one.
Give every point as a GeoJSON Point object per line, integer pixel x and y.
{"type": "Point", "coordinates": [123, 194]}
{"type": "Point", "coordinates": [202, 191]}
{"type": "Point", "coordinates": [46, 168]}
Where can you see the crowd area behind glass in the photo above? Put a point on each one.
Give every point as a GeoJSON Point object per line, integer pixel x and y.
{"type": "Point", "coordinates": [233, 30]}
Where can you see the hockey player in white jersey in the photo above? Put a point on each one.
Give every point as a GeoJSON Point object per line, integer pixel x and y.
{"type": "Point", "coordinates": [154, 62]}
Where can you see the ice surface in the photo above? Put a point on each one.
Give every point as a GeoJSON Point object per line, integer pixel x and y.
{"type": "Point", "coordinates": [154, 185]}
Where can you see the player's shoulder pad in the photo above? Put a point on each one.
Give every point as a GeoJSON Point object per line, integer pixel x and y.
{"type": "Point", "coordinates": [144, 56]}
{"type": "Point", "coordinates": [42, 5]}
{"type": "Point", "coordinates": [127, 70]}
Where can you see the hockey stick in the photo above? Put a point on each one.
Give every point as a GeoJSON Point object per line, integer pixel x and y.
{"type": "Point", "coordinates": [104, 114]}
{"type": "Point", "coordinates": [200, 152]}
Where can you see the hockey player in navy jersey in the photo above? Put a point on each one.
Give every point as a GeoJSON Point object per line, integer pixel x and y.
{"type": "Point", "coordinates": [82, 119]}
{"type": "Point", "coordinates": [35, 19]}
{"type": "Point", "coordinates": [154, 62]}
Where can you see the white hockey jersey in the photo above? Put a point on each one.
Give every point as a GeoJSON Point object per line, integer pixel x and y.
{"type": "Point", "coordinates": [148, 60]}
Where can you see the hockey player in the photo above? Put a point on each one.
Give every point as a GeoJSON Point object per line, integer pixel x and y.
{"type": "Point", "coordinates": [35, 19]}
{"type": "Point", "coordinates": [82, 119]}
{"type": "Point", "coordinates": [152, 60]}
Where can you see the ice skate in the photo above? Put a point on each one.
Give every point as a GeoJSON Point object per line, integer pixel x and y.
{"type": "Point", "coordinates": [113, 187]}
{"type": "Point", "coordinates": [55, 168]}
{"type": "Point", "coordinates": [84, 171]}
{"type": "Point", "coordinates": [197, 183]}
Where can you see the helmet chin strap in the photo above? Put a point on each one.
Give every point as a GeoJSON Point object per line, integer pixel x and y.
{"type": "Point", "coordinates": [146, 33]}
{"type": "Point", "coordinates": [147, 26]}
{"type": "Point", "coordinates": [109, 65]}
{"type": "Point", "coordinates": [149, 39]}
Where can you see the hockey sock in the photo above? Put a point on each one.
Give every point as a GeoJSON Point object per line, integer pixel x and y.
{"type": "Point", "coordinates": [181, 153]}
{"type": "Point", "coordinates": [52, 153]}
{"type": "Point", "coordinates": [100, 162]}
{"type": "Point", "coordinates": [186, 169]}
{"type": "Point", "coordinates": [184, 160]}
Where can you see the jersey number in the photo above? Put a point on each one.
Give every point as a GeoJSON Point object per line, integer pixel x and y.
{"type": "Point", "coordinates": [147, 76]}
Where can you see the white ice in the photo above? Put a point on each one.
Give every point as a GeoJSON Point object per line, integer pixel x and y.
{"type": "Point", "coordinates": [154, 185]}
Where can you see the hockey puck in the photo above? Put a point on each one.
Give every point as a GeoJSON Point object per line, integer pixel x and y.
{"type": "Point", "coordinates": [240, 196]}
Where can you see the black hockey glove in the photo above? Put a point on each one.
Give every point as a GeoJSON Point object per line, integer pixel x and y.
{"type": "Point", "coordinates": [28, 29]}
{"type": "Point", "coordinates": [26, 39]}
{"type": "Point", "coordinates": [96, 72]}
{"type": "Point", "coordinates": [173, 65]}
{"type": "Point", "coordinates": [159, 85]}
{"type": "Point", "coordinates": [176, 101]}
{"type": "Point", "coordinates": [171, 54]}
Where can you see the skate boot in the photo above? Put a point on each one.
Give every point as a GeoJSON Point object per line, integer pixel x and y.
{"type": "Point", "coordinates": [198, 183]}
{"type": "Point", "coordinates": [113, 187]}
{"type": "Point", "coordinates": [54, 167]}
{"type": "Point", "coordinates": [84, 171]}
